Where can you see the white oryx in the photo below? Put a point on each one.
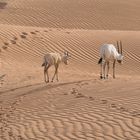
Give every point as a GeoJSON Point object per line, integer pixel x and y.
{"type": "Point", "coordinates": [54, 59]}
{"type": "Point", "coordinates": [108, 52]}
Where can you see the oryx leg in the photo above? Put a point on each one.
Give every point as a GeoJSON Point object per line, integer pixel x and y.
{"type": "Point", "coordinates": [114, 68]}
{"type": "Point", "coordinates": [46, 73]}
{"type": "Point", "coordinates": [57, 74]}
{"type": "Point", "coordinates": [107, 69]}
{"type": "Point", "coordinates": [104, 65]}
{"type": "Point", "coordinates": [101, 72]}
{"type": "Point", "coordinates": [56, 68]}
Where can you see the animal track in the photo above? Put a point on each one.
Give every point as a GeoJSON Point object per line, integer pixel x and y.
{"type": "Point", "coordinates": [68, 32]}
{"type": "Point", "coordinates": [6, 43]}
{"type": "Point", "coordinates": [15, 38]}
{"type": "Point", "coordinates": [45, 31]}
{"type": "Point", "coordinates": [13, 41]}
{"type": "Point", "coordinates": [104, 101]}
{"type": "Point", "coordinates": [4, 47]}
{"type": "Point", "coordinates": [24, 33]}
{"type": "Point", "coordinates": [33, 33]}
{"type": "Point", "coordinates": [5, 118]}
{"type": "Point", "coordinates": [36, 31]}
{"type": "Point", "coordinates": [74, 91]}
{"type": "Point", "coordinates": [135, 113]}
{"type": "Point", "coordinates": [113, 106]}
{"type": "Point", "coordinates": [79, 95]}
{"type": "Point", "coordinates": [91, 98]}
{"type": "Point", "coordinates": [23, 36]}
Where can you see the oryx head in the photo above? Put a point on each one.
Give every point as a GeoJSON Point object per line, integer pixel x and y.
{"type": "Point", "coordinates": [66, 57]}
{"type": "Point", "coordinates": [120, 56]}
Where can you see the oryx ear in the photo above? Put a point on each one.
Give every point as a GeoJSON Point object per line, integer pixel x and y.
{"type": "Point", "coordinates": [121, 46]}
{"type": "Point", "coordinates": [118, 46]}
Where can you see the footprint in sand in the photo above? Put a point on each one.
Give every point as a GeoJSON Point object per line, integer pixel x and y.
{"type": "Point", "coordinates": [5, 46]}
{"type": "Point", "coordinates": [135, 113]}
{"type": "Point", "coordinates": [65, 93]}
{"type": "Point", "coordinates": [45, 31]}
{"type": "Point", "coordinates": [36, 31]}
{"type": "Point", "coordinates": [58, 29]}
{"type": "Point", "coordinates": [68, 32]}
{"type": "Point", "coordinates": [6, 43]}
{"type": "Point", "coordinates": [15, 38]}
{"type": "Point", "coordinates": [5, 117]}
{"type": "Point", "coordinates": [74, 91]}
{"type": "Point", "coordinates": [103, 101]}
{"type": "Point", "coordinates": [84, 84]}
{"type": "Point", "coordinates": [13, 41]}
{"type": "Point", "coordinates": [1, 83]}
{"type": "Point", "coordinates": [23, 36]}
{"type": "Point", "coordinates": [79, 95]}
{"type": "Point", "coordinates": [122, 109]}
{"type": "Point", "coordinates": [91, 98]}
{"type": "Point", "coordinates": [24, 33]}
{"type": "Point", "coordinates": [20, 137]}
{"type": "Point", "coordinates": [2, 76]}
{"type": "Point", "coordinates": [113, 105]}
{"type": "Point", "coordinates": [33, 33]}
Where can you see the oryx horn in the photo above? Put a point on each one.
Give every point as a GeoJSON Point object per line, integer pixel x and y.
{"type": "Point", "coordinates": [121, 46]}
{"type": "Point", "coordinates": [118, 46]}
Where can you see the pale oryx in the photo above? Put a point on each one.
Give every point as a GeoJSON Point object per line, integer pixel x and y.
{"type": "Point", "coordinates": [54, 59]}
{"type": "Point", "coordinates": [108, 52]}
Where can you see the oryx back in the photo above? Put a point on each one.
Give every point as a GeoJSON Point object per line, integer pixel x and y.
{"type": "Point", "coordinates": [51, 59]}
{"type": "Point", "coordinates": [108, 52]}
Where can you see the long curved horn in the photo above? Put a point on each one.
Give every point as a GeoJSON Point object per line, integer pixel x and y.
{"type": "Point", "coordinates": [121, 46]}
{"type": "Point", "coordinates": [118, 46]}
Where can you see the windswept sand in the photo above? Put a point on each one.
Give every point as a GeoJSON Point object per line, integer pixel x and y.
{"type": "Point", "coordinates": [80, 106]}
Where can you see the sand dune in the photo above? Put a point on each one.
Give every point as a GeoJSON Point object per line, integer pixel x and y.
{"type": "Point", "coordinates": [78, 111]}
{"type": "Point", "coordinates": [80, 106]}
{"type": "Point", "coordinates": [90, 14]}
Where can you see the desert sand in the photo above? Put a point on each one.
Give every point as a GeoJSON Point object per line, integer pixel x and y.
{"type": "Point", "coordinates": [80, 106]}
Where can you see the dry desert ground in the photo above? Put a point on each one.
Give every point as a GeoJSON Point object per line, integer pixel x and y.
{"type": "Point", "coordinates": [80, 106]}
